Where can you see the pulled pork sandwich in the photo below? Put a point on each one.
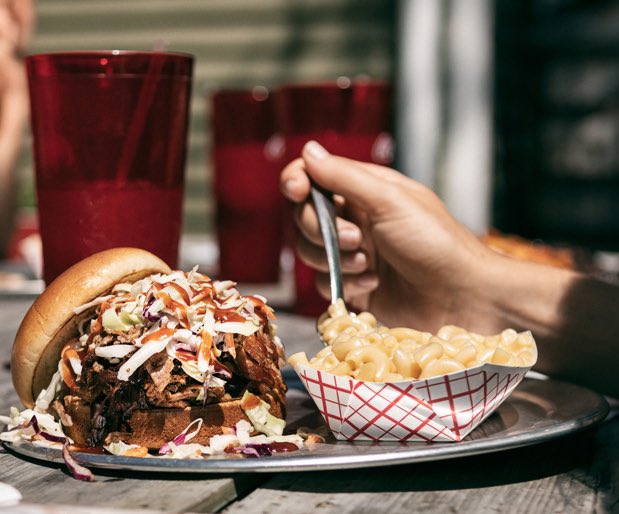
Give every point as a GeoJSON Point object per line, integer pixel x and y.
{"type": "Point", "coordinates": [121, 348]}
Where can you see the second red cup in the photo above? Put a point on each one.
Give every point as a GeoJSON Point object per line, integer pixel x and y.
{"type": "Point", "coordinates": [247, 154]}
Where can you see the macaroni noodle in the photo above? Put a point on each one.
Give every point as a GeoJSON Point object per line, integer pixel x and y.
{"type": "Point", "coordinates": [359, 348]}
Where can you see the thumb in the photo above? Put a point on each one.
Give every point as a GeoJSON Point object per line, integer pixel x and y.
{"type": "Point", "coordinates": [356, 181]}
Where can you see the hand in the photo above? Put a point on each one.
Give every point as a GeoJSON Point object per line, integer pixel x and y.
{"type": "Point", "coordinates": [404, 257]}
{"type": "Point", "coordinates": [16, 20]}
{"type": "Point", "coordinates": [16, 24]}
{"type": "Point", "coordinates": [410, 263]}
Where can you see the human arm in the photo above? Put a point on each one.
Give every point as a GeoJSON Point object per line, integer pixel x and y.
{"type": "Point", "coordinates": [407, 260]}
{"type": "Point", "coordinates": [574, 318]}
{"type": "Point", "coordinates": [16, 18]}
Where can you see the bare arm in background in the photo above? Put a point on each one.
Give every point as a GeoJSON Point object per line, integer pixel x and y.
{"type": "Point", "coordinates": [16, 20]}
{"type": "Point", "coordinates": [409, 262]}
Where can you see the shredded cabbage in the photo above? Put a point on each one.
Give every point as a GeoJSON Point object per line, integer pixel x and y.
{"type": "Point", "coordinates": [112, 323]}
{"type": "Point", "coordinates": [20, 427]}
{"type": "Point", "coordinates": [120, 449]}
{"type": "Point", "coordinates": [47, 395]}
{"type": "Point", "coordinates": [97, 301]}
{"type": "Point", "coordinates": [223, 443]}
{"type": "Point", "coordinates": [246, 328]}
{"type": "Point", "coordinates": [140, 357]}
{"type": "Point", "coordinates": [115, 351]}
{"type": "Point", "coordinates": [260, 416]}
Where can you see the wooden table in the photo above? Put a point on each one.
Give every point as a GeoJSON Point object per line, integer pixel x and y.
{"type": "Point", "coordinates": [577, 474]}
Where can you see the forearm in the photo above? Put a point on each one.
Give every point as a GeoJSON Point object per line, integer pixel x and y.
{"type": "Point", "coordinates": [574, 318]}
{"type": "Point", "coordinates": [13, 115]}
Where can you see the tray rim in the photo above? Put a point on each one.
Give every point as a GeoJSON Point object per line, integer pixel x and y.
{"type": "Point", "coordinates": [307, 461]}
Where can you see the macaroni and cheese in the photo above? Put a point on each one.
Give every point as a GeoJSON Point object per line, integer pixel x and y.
{"type": "Point", "coordinates": [358, 347]}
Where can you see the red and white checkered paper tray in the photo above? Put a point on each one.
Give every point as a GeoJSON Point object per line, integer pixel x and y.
{"type": "Point", "coordinates": [439, 409]}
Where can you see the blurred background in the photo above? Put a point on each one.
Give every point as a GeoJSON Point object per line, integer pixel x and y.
{"type": "Point", "coordinates": [557, 120]}
{"type": "Point", "coordinates": [237, 44]}
{"type": "Point", "coordinates": [508, 109]}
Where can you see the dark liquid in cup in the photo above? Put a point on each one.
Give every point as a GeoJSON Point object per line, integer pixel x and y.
{"type": "Point", "coordinates": [249, 212]}
{"type": "Point", "coordinates": [109, 145]}
{"type": "Point", "coordinates": [100, 215]}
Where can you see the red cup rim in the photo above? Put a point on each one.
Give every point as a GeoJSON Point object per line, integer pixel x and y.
{"type": "Point", "coordinates": [53, 63]}
{"type": "Point", "coordinates": [257, 93]}
{"type": "Point", "coordinates": [343, 83]}
{"type": "Point", "coordinates": [106, 53]}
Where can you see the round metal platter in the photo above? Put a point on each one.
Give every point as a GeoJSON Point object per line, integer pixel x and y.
{"type": "Point", "coordinates": [537, 411]}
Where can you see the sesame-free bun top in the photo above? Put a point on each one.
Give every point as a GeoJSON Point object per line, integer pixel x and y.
{"type": "Point", "coordinates": [51, 322]}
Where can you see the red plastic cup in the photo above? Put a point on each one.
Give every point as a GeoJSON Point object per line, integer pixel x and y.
{"type": "Point", "coordinates": [247, 154]}
{"type": "Point", "coordinates": [110, 138]}
{"type": "Point", "coordinates": [349, 118]}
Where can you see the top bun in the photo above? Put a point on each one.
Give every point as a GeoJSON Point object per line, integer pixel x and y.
{"type": "Point", "coordinates": [51, 320]}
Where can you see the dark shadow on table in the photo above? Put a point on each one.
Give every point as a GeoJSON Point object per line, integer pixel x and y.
{"type": "Point", "coordinates": [512, 466]}
{"type": "Point", "coordinates": [572, 454]}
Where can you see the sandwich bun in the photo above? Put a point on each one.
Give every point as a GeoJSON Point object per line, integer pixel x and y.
{"type": "Point", "coordinates": [51, 322]}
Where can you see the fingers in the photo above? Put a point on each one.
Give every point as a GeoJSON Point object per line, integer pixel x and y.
{"type": "Point", "coordinates": [349, 234]}
{"type": "Point", "coordinates": [9, 31]}
{"type": "Point", "coordinates": [362, 183]}
{"type": "Point", "coordinates": [315, 257]}
{"type": "Point", "coordinates": [295, 186]}
{"type": "Point", "coordinates": [294, 182]}
{"type": "Point", "coordinates": [342, 176]}
{"type": "Point", "coordinates": [23, 12]}
{"type": "Point", "coordinates": [354, 285]}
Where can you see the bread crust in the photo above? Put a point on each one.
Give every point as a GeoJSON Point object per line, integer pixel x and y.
{"type": "Point", "coordinates": [154, 427]}
{"type": "Point", "coordinates": [51, 320]}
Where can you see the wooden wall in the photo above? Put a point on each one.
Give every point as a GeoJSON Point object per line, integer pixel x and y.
{"type": "Point", "coordinates": [237, 43]}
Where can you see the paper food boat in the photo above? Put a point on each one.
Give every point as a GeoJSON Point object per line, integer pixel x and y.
{"type": "Point", "coordinates": [438, 409]}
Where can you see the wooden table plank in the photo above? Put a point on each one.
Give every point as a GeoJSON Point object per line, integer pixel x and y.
{"type": "Point", "coordinates": [604, 471]}
{"type": "Point", "coordinates": [31, 508]}
{"type": "Point", "coordinates": [52, 484]}
{"type": "Point", "coordinates": [560, 476]}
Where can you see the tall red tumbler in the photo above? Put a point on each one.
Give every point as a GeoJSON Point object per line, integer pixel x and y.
{"type": "Point", "coordinates": [247, 154]}
{"type": "Point", "coordinates": [110, 136]}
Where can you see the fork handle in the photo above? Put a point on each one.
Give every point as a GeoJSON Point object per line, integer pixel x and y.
{"type": "Point", "coordinates": [325, 209]}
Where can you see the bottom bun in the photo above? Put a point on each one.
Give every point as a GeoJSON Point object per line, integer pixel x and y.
{"type": "Point", "coordinates": [153, 428]}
